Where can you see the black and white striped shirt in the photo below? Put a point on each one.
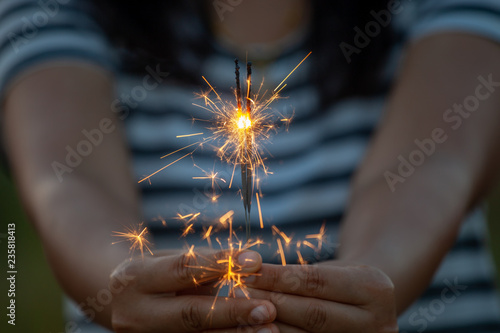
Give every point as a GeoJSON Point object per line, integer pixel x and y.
{"type": "Point", "coordinates": [312, 162]}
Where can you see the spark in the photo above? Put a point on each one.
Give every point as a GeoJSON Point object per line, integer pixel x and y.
{"type": "Point", "coordinates": [281, 252]}
{"type": "Point", "coordinates": [166, 166]}
{"type": "Point", "coordinates": [224, 218]}
{"type": "Point", "coordinates": [214, 179]}
{"type": "Point", "coordinates": [211, 88]}
{"type": "Point", "coordinates": [187, 230]}
{"type": "Point", "coordinates": [184, 218]}
{"type": "Point", "coordinates": [215, 197]}
{"type": "Point", "coordinates": [136, 237]}
{"type": "Point", "coordinates": [293, 70]}
{"type": "Point", "coordinates": [161, 219]}
{"type": "Point", "coordinates": [260, 211]}
{"type": "Point", "coordinates": [206, 235]}
{"type": "Point", "coordinates": [190, 252]}
{"type": "Point", "coordinates": [299, 254]}
{"type": "Point", "coordinates": [309, 244]}
{"type": "Point", "coordinates": [320, 236]}
{"type": "Point", "coordinates": [282, 234]}
{"type": "Point", "coordinates": [188, 135]}
{"type": "Point", "coordinates": [178, 150]}
{"type": "Point", "coordinates": [301, 260]}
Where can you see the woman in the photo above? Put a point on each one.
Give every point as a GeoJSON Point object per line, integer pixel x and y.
{"type": "Point", "coordinates": [423, 169]}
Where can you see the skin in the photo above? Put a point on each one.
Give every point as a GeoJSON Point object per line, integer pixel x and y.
{"type": "Point", "coordinates": [77, 240]}
{"type": "Point", "coordinates": [390, 248]}
{"type": "Point", "coordinates": [401, 237]}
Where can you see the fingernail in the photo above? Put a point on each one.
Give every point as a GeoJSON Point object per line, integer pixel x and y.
{"type": "Point", "coordinates": [248, 258]}
{"type": "Point", "coordinates": [265, 330]}
{"type": "Point", "coordinates": [260, 314]}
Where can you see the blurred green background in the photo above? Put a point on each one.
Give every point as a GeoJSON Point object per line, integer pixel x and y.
{"type": "Point", "coordinates": [38, 297]}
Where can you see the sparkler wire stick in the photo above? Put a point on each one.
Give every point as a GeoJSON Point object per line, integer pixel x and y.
{"type": "Point", "coordinates": [238, 86]}
{"type": "Point", "coordinates": [246, 176]}
{"type": "Point", "coordinates": [245, 159]}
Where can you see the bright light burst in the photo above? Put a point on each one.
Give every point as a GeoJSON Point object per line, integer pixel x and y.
{"type": "Point", "coordinates": [237, 130]}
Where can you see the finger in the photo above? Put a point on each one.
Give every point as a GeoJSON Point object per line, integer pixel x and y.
{"type": "Point", "coordinates": [269, 328]}
{"type": "Point", "coordinates": [350, 284]}
{"type": "Point", "coordinates": [193, 314]}
{"type": "Point", "coordinates": [207, 290]}
{"type": "Point", "coordinates": [188, 270]}
{"type": "Point", "coordinates": [285, 328]}
{"type": "Point", "coordinates": [314, 315]}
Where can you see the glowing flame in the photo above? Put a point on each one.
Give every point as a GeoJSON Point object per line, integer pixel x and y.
{"type": "Point", "coordinates": [244, 122]}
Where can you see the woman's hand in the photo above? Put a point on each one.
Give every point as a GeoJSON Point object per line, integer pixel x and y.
{"type": "Point", "coordinates": [329, 297]}
{"type": "Point", "coordinates": [164, 296]}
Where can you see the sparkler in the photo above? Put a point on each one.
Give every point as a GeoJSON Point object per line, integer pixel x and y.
{"type": "Point", "coordinates": [245, 124]}
{"type": "Point", "coordinates": [238, 131]}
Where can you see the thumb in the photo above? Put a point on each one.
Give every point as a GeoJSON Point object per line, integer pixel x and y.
{"type": "Point", "coordinates": [249, 261]}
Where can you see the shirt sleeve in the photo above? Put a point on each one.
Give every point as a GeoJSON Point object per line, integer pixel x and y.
{"type": "Point", "coordinates": [33, 32]}
{"type": "Point", "coordinates": [480, 17]}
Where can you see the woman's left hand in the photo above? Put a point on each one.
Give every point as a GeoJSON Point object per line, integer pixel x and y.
{"type": "Point", "coordinates": [329, 297]}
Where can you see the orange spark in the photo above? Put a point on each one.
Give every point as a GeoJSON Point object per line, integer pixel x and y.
{"type": "Point", "coordinates": [299, 254]}
{"type": "Point", "coordinates": [309, 244]}
{"type": "Point", "coordinates": [191, 216]}
{"type": "Point", "coordinates": [206, 235]}
{"type": "Point", "coordinates": [137, 239]}
{"type": "Point", "coordinates": [280, 251]}
{"type": "Point", "coordinates": [260, 211]}
{"type": "Point", "coordinates": [188, 135]}
{"type": "Point", "coordinates": [320, 236]}
{"type": "Point", "coordinates": [187, 230]}
{"type": "Point", "coordinates": [293, 70]}
{"type": "Point", "coordinates": [191, 252]}
{"type": "Point", "coordinates": [226, 217]}
{"type": "Point", "coordinates": [166, 166]}
{"type": "Point", "coordinates": [282, 234]}
{"type": "Point", "coordinates": [301, 260]}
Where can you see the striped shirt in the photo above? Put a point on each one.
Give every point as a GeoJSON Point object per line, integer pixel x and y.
{"type": "Point", "coordinates": [311, 163]}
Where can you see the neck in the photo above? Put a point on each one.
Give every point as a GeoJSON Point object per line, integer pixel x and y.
{"type": "Point", "coordinates": [261, 28]}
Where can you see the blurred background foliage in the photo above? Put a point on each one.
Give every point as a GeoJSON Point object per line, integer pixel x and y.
{"type": "Point", "coordinates": [38, 296]}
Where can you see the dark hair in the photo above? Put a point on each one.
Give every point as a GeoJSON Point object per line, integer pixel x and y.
{"type": "Point", "coordinates": [334, 23]}
{"type": "Point", "coordinates": [152, 31]}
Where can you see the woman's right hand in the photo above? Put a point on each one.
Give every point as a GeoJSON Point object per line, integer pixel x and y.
{"type": "Point", "coordinates": [161, 294]}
